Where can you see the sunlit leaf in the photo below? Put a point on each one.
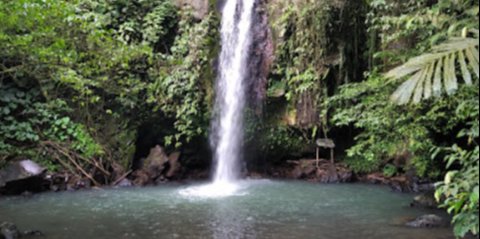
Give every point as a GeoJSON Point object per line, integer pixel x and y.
{"type": "Point", "coordinates": [441, 64]}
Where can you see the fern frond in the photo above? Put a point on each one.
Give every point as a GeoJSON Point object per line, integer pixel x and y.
{"type": "Point", "coordinates": [435, 73]}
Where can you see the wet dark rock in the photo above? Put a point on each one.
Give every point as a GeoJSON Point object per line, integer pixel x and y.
{"type": "Point", "coordinates": [32, 233]}
{"type": "Point", "coordinates": [375, 178]}
{"type": "Point", "coordinates": [58, 181]}
{"type": "Point", "coordinates": [427, 221]}
{"type": "Point", "coordinates": [333, 173]}
{"type": "Point", "coordinates": [402, 183]}
{"type": "Point", "coordinates": [423, 187]}
{"type": "Point", "coordinates": [255, 175]}
{"type": "Point", "coordinates": [426, 200]}
{"type": "Point", "coordinates": [174, 164]}
{"type": "Point", "coordinates": [141, 178]}
{"type": "Point", "coordinates": [125, 183]}
{"type": "Point", "coordinates": [157, 168]}
{"type": "Point", "coordinates": [118, 171]}
{"type": "Point", "coordinates": [21, 176]}
{"type": "Point", "coordinates": [261, 56]}
{"type": "Point", "coordinates": [76, 183]}
{"type": "Point", "coordinates": [324, 172]}
{"type": "Point", "coordinates": [155, 162]}
{"type": "Point", "coordinates": [9, 230]}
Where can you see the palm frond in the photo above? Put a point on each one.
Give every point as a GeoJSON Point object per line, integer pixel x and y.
{"type": "Point", "coordinates": [435, 73]}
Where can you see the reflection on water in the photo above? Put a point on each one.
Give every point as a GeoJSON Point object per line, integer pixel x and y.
{"type": "Point", "coordinates": [258, 210]}
{"type": "Point", "coordinates": [226, 224]}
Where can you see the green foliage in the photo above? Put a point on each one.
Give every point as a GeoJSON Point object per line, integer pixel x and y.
{"type": "Point", "coordinates": [389, 130]}
{"type": "Point", "coordinates": [302, 43]}
{"type": "Point", "coordinates": [182, 87]}
{"type": "Point", "coordinates": [390, 170]}
{"type": "Point", "coordinates": [410, 28]}
{"type": "Point", "coordinates": [111, 66]}
{"type": "Point", "coordinates": [71, 68]}
{"type": "Point", "coordinates": [460, 190]}
{"type": "Point", "coordinates": [421, 33]}
{"type": "Point", "coordinates": [280, 141]}
{"type": "Point", "coordinates": [27, 122]}
{"type": "Point", "coordinates": [137, 22]}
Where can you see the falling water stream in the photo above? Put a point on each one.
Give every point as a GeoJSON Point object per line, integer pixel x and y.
{"type": "Point", "coordinates": [227, 127]}
{"type": "Point", "coordinates": [236, 33]}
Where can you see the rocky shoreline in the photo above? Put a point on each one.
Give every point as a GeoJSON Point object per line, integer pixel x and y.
{"type": "Point", "coordinates": [26, 177]}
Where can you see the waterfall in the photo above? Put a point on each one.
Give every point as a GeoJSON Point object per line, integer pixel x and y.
{"type": "Point", "coordinates": [227, 126]}
{"type": "Point", "coordinates": [230, 89]}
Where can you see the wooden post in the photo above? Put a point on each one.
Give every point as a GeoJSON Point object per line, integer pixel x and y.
{"type": "Point", "coordinates": [331, 156]}
{"type": "Point", "coordinates": [328, 144]}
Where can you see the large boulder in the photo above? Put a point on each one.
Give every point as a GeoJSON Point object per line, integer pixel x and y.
{"type": "Point", "coordinates": [155, 162]}
{"type": "Point", "coordinates": [173, 161]}
{"type": "Point", "coordinates": [21, 176]}
{"type": "Point", "coordinates": [157, 167]}
{"type": "Point", "coordinates": [324, 172]}
{"type": "Point", "coordinates": [333, 173]}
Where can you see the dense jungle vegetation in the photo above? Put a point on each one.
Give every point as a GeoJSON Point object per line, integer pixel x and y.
{"type": "Point", "coordinates": [82, 82]}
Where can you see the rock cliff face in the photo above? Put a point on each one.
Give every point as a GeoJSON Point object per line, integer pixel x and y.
{"type": "Point", "coordinates": [318, 46]}
{"type": "Point", "coordinates": [261, 56]}
{"type": "Point", "coordinates": [261, 52]}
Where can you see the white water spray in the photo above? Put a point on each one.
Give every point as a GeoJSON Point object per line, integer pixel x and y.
{"type": "Point", "coordinates": [230, 102]}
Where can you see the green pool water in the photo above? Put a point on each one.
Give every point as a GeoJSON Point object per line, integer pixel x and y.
{"type": "Point", "coordinates": [258, 210]}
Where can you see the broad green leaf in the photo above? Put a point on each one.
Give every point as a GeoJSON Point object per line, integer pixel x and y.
{"type": "Point", "coordinates": [473, 62]}
{"type": "Point", "coordinates": [437, 80]}
{"type": "Point", "coordinates": [467, 77]}
{"type": "Point", "coordinates": [441, 64]}
{"type": "Point", "coordinates": [428, 81]}
{"type": "Point", "coordinates": [405, 91]}
{"type": "Point", "coordinates": [417, 97]}
{"type": "Point", "coordinates": [449, 176]}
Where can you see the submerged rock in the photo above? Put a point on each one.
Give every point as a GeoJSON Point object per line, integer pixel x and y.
{"type": "Point", "coordinates": [427, 221]}
{"type": "Point", "coordinates": [21, 176]}
{"type": "Point", "coordinates": [425, 200]}
{"type": "Point", "coordinates": [402, 183]}
{"type": "Point", "coordinates": [124, 183]}
{"type": "Point", "coordinates": [9, 230]}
